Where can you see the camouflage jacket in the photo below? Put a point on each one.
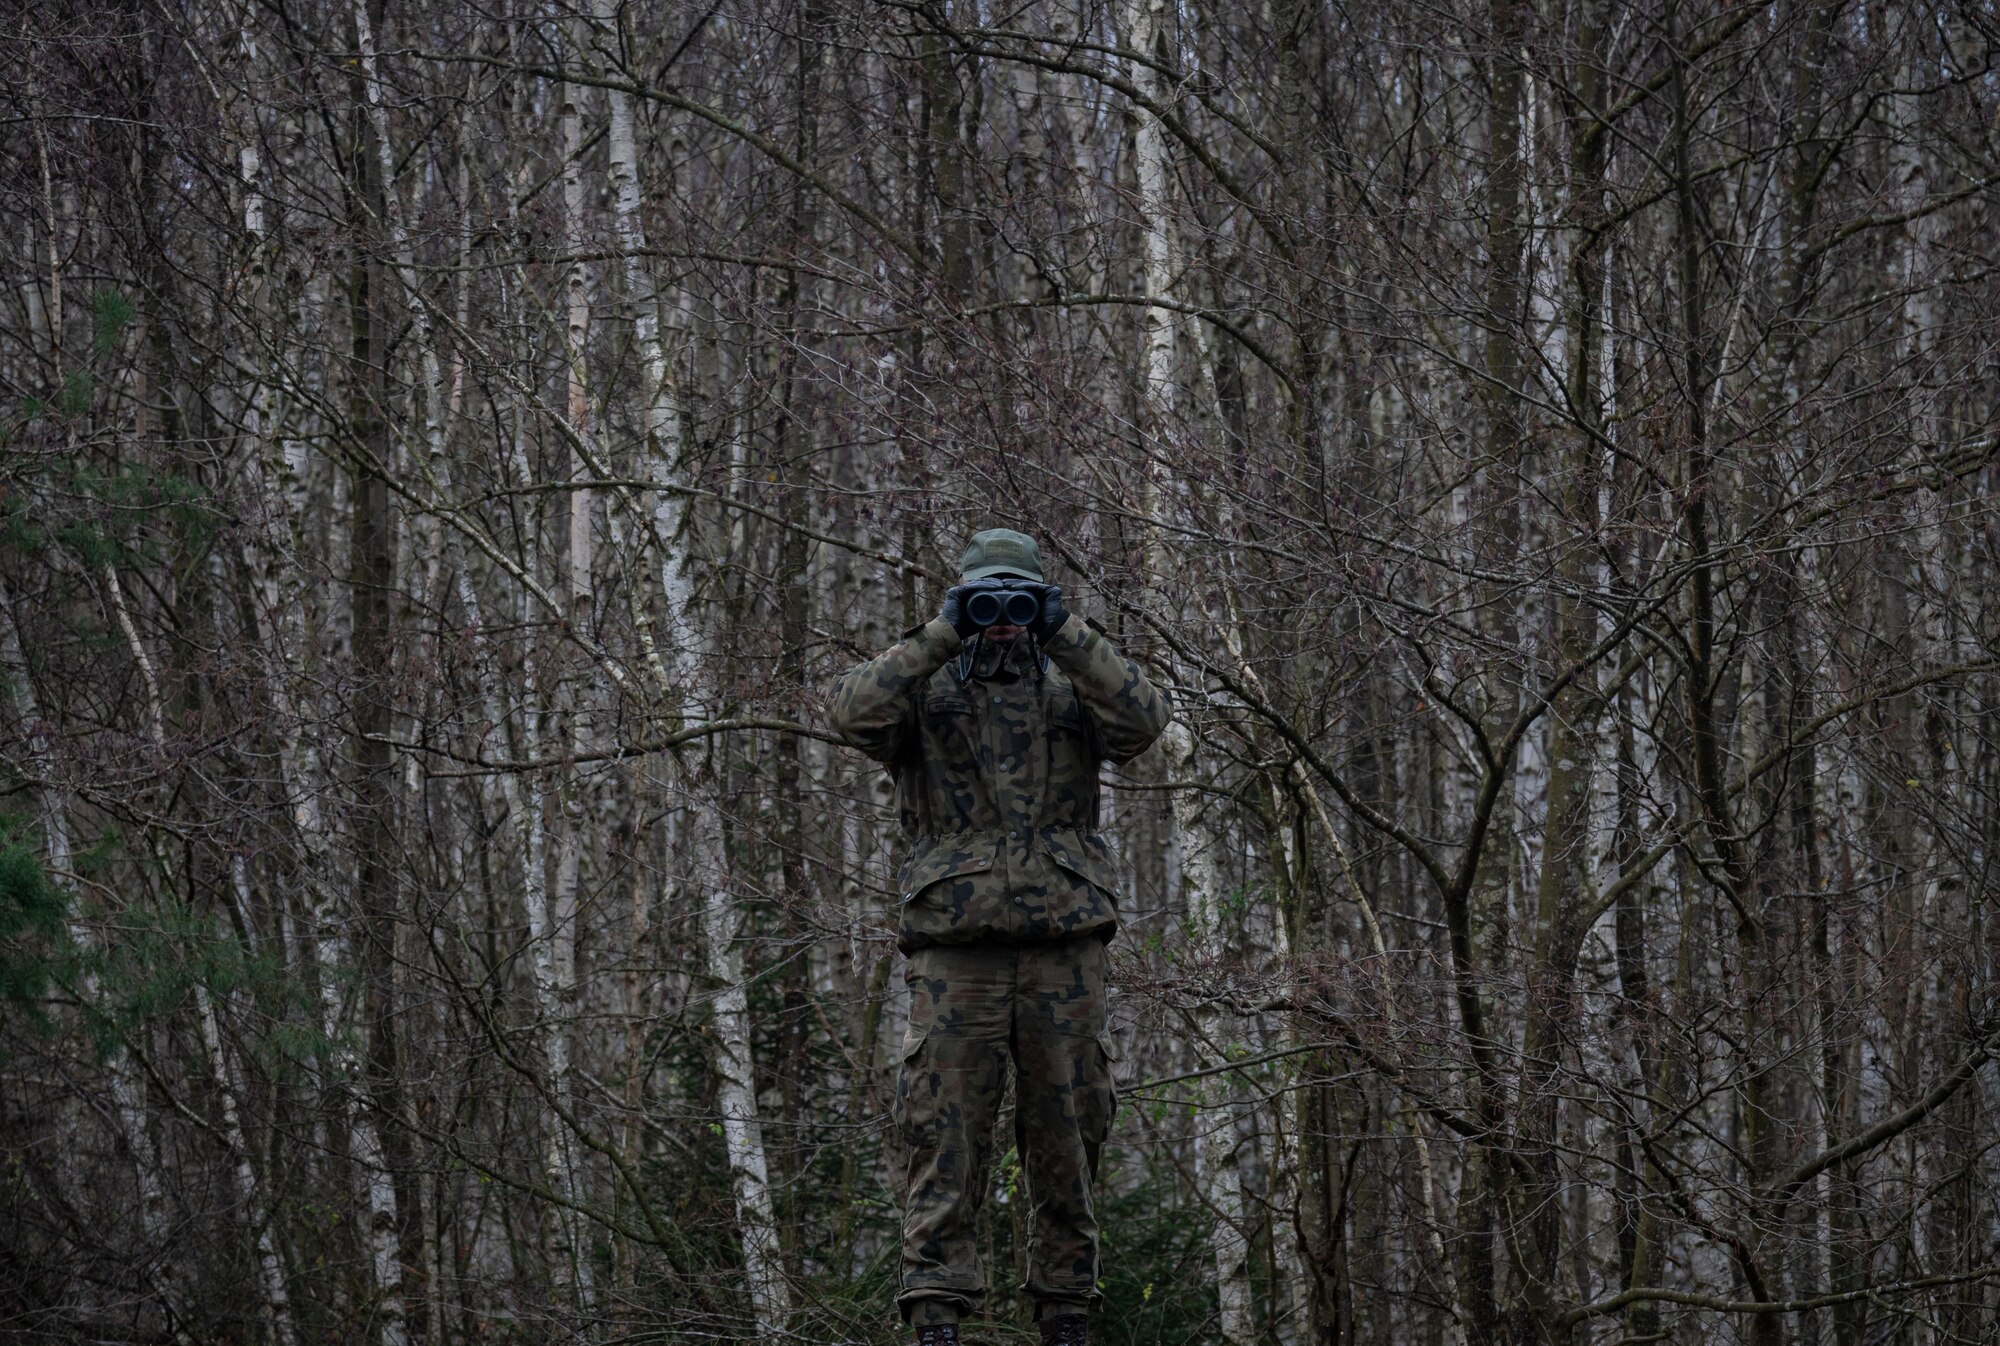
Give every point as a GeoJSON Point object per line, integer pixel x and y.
{"type": "Point", "coordinates": [996, 780]}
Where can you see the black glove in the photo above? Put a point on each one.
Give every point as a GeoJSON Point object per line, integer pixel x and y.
{"type": "Point", "coordinates": [953, 613]}
{"type": "Point", "coordinates": [1054, 614]}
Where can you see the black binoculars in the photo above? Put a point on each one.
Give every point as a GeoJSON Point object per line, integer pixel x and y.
{"type": "Point", "coordinates": [1001, 605]}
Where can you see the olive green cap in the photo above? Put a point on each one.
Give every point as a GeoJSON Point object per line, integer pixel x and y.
{"type": "Point", "coordinates": [1000, 551]}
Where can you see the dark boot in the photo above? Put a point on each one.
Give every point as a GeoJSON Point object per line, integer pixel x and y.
{"type": "Point", "coordinates": [941, 1334]}
{"type": "Point", "coordinates": [1068, 1329]}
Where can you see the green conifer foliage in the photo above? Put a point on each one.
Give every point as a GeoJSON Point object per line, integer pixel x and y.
{"type": "Point", "coordinates": [32, 938]}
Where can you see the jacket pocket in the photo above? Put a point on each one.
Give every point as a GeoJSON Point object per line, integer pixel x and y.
{"type": "Point", "coordinates": [1066, 713]}
{"type": "Point", "coordinates": [947, 858]}
{"type": "Point", "coordinates": [1085, 856]}
{"type": "Point", "coordinates": [1072, 783]}
{"type": "Point", "coordinates": [946, 754]}
{"type": "Point", "coordinates": [943, 704]}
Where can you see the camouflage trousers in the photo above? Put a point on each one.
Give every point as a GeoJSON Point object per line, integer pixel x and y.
{"type": "Point", "coordinates": [974, 1009]}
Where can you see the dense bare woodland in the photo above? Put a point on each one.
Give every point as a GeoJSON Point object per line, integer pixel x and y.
{"type": "Point", "coordinates": [1548, 449]}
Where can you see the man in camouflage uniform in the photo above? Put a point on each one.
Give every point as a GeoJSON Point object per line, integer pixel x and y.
{"type": "Point", "coordinates": [994, 738]}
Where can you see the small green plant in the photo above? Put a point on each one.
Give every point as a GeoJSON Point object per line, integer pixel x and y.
{"type": "Point", "coordinates": [1155, 1281]}
{"type": "Point", "coordinates": [77, 388]}
{"type": "Point", "coordinates": [33, 941]}
{"type": "Point", "coordinates": [110, 311]}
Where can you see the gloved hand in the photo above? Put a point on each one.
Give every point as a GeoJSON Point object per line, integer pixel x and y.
{"type": "Point", "coordinates": [1054, 614]}
{"type": "Point", "coordinates": [953, 613]}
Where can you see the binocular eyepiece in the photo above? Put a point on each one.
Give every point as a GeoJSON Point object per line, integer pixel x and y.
{"type": "Point", "coordinates": [999, 605]}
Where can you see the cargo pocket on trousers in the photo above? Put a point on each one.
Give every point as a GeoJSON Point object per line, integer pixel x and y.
{"type": "Point", "coordinates": [916, 1090]}
{"type": "Point", "coordinates": [1106, 1045]}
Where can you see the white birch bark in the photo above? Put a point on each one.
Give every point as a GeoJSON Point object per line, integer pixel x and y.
{"type": "Point", "coordinates": [1218, 1170]}
{"type": "Point", "coordinates": [1931, 592]}
{"type": "Point", "coordinates": [270, 1265]}
{"type": "Point", "coordinates": [636, 1015]}
{"type": "Point", "coordinates": [552, 909]}
{"type": "Point", "coordinates": [302, 777]}
{"type": "Point", "coordinates": [331, 950]}
{"type": "Point", "coordinates": [127, 1093]}
{"type": "Point", "coordinates": [676, 669]}
{"type": "Point", "coordinates": [277, 603]}
{"type": "Point", "coordinates": [276, 606]}
{"type": "Point", "coordinates": [1217, 1160]}
{"type": "Point", "coordinates": [551, 913]}
{"type": "Point", "coordinates": [742, 1127]}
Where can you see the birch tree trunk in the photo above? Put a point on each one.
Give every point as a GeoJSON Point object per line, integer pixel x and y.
{"type": "Point", "coordinates": [270, 1262]}
{"type": "Point", "coordinates": [552, 910]}
{"type": "Point", "coordinates": [742, 1128]}
{"type": "Point", "coordinates": [277, 608]}
{"type": "Point", "coordinates": [127, 1091]}
{"type": "Point", "coordinates": [676, 669]}
{"type": "Point", "coordinates": [1217, 1168]}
